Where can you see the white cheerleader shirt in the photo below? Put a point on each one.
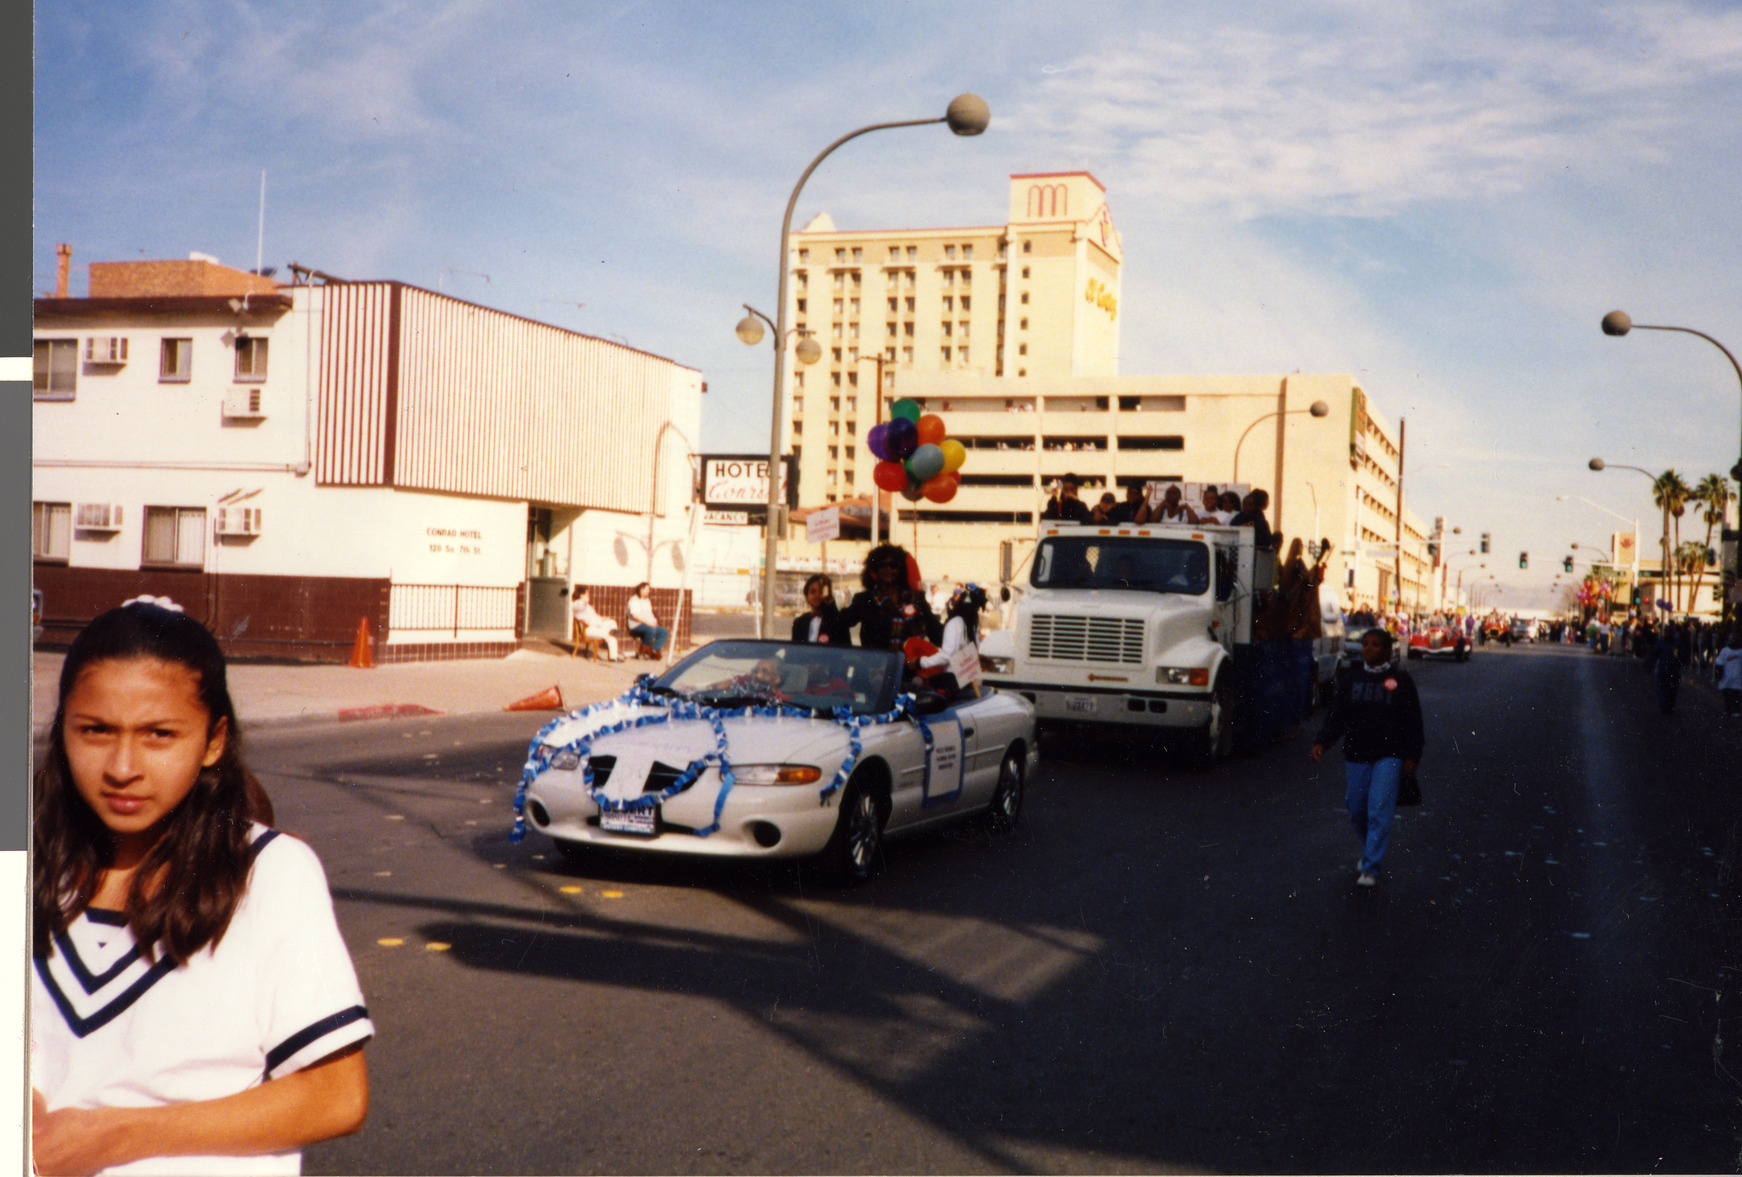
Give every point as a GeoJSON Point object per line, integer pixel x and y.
{"type": "Point", "coordinates": [278, 992]}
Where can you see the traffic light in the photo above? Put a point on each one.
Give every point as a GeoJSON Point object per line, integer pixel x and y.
{"type": "Point", "coordinates": [1524, 559]}
{"type": "Point", "coordinates": [1484, 543]}
{"type": "Point", "coordinates": [1567, 563]}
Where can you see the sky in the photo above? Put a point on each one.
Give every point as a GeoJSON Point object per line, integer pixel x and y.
{"type": "Point", "coordinates": [1440, 199]}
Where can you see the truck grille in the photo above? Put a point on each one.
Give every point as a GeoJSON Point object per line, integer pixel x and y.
{"type": "Point", "coordinates": [1086, 639]}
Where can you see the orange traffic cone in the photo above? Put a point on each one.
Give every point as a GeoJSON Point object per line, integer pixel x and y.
{"type": "Point", "coordinates": [549, 699]}
{"type": "Point", "coordinates": [363, 650]}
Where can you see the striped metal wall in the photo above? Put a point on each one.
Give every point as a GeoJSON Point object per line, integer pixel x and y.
{"type": "Point", "coordinates": [352, 445]}
{"type": "Point", "coordinates": [478, 402]}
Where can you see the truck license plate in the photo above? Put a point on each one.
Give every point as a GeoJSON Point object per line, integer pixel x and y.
{"type": "Point", "coordinates": [628, 821]}
{"type": "Point", "coordinates": [1082, 703]}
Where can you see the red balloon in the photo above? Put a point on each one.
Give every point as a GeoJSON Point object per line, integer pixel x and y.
{"type": "Point", "coordinates": [941, 489]}
{"type": "Point", "coordinates": [931, 429]}
{"type": "Point", "coordinates": [912, 572]}
{"type": "Point", "coordinates": [889, 476]}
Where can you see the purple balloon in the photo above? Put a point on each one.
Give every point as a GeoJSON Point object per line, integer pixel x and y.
{"type": "Point", "coordinates": [877, 442]}
{"type": "Point", "coordinates": [901, 438]}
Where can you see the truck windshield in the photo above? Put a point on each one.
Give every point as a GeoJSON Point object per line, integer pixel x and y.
{"type": "Point", "coordinates": [1146, 565]}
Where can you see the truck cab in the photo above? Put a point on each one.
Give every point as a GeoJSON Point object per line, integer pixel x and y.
{"type": "Point", "coordinates": [1134, 625]}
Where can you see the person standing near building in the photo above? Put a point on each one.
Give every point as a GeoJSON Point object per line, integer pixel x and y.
{"type": "Point", "coordinates": [1377, 713]}
{"type": "Point", "coordinates": [644, 625]}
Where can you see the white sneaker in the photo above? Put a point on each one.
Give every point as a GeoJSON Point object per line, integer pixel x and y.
{"type": "Point", "coordinates": [1367, 879]}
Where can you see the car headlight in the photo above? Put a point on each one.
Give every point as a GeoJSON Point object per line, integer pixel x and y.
{"type": "Point", "coordinates": [992, 664]}
{"type": "Point", "coordinates": [776, 774]}
{"type": "Point", "coordinates": [1191, 676]}
{"type": "Point", "coordinates": [563, 759]}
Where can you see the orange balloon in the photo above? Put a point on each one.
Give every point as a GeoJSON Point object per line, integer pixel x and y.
{"type": "Point", "coordinates": [931, 429]}
{"type": "Point", "coordinates": [941, 489]}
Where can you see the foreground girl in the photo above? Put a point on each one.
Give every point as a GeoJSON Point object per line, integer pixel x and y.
{"type": "Point", "coordinates": [193, 1006]}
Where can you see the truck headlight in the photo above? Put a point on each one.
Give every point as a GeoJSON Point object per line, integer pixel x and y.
{"type": "Point", "coordinates": [992, 664]}
{"type": "Point", "coordinates": [1190, 676]}
{"type": "Point", "coordinates": [776, 774]}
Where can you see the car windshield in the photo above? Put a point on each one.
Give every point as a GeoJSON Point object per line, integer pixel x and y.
{"type": "Point", "coordinates": [1113, 562]}
{"type": "Point", "coordinates": [821, 677]}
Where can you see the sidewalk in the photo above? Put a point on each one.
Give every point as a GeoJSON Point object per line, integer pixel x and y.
{"type": "Point", "coordinates": [277, 694]}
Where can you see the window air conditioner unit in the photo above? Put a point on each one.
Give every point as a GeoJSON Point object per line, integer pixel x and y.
{"type": "Point", "coordinates": [243, 401]}
{"type": "Point", "coordinates": [239, 521]}
{"type": "Point", "coordinates": [97, 517]}
{"type": "Point", "coordinates": [110, 349]}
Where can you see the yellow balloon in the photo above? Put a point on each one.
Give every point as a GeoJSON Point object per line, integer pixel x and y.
{"type": "Point", "coordinates": [954, 453]}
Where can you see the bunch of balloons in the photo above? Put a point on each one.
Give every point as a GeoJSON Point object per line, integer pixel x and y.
{"type": "Point", "coordinates": [916, 460]}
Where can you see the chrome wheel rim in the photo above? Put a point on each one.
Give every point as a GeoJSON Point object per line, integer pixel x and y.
{"type": "Point", "coordinates": [862, 832]}
{"type": "Point", "coordinates": [1010, 790]}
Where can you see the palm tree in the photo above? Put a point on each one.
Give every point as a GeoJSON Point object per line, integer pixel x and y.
{"type": "Point", "coordinates": [1671, 494]}
{"type": "Point", "coordinates": [1713, 496]}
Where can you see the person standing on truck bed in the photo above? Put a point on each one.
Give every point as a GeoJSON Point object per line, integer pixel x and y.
{"type": "Point", "coordinates": [1252, 515]}
{"type": "Point", "coordinates": [1133, 509]}
{"type": "Point", "coordinates": [1378, 714]}
{"type": "Point", "coordinates": [1067, 507]}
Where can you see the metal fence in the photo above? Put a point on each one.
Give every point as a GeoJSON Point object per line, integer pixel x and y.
{"type": "Point", "coordinates": [451, 607]}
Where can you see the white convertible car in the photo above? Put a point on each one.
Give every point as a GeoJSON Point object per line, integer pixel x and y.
{"type": "Point", "coordinates": [776, 750]}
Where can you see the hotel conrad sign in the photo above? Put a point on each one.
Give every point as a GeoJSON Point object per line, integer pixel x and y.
{"type": "Point", "coordinates": [740, 481]}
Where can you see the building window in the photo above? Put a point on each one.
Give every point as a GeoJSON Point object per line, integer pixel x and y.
{"type": "Point", "coordinates": [893, 307]}
{"type": "Point", "coordinates": [797, 428]}
{"type": "Point", "coordinates": [946, 355]}
{"type": "Point", "coordinates": [804, 255]}
{"type": "Point", "coordinates": [801, 306]}
{"type": "Point", "coordinates": [1022, 371]}
{"type": "Point", "coordinates": [1024, 324]}
{"type": "Point", "coordinates": [895, 253]}
{"type": "Point", "coordinates": [910, 306]}
{"type": "Point", "coordinates": [798, 378]}
{"type": "Point", "coordinates": [1027, 246]}
{"type": "Point", "coordinates": [834, 404]}
{"type": "Point", "coordinates": [907, 355]}
{"type": "Point", "coordinates": [51, 530]}
{"type": "Point", "coordinates": [963, 356]}
{"type": "Point", "coordinates": [946, 328]}
{"type": "Point", "coordinates": [907, 329]}
{"type": "Point", "coordinates": [837, 358]}
{"type": "Point", "coordinates": [967, 276]}
{"type": "Point", "coordinates": [804, 280]}
{"type": "Point", "coordinates": [837, 306]}
{"type": "Point", "coordinates": [175, 363]}
{"type": "Point", "coordinates": [852, 379]}
{"type": "Point", "coordinates": [853, 306]}
{"type": "Point", "coordinates": [949, 303]}
{"type": "Point", "coordinates": [964, 327]}
{"type": "Point", "coordinates": [892, 330]}
{"type": "Point", "coordinates": [175, 535]}
{"type": "Point", "coordinates": [912, 252]}
{"type": "Point", "coordinates": [949, 277]}
{"type": "Point", "coordinates": [835, 379]}
{"type": "Point", "coordinates": [858, 255]}
{"type": "Point", "coordinates": [950, 252]}
{"type": "Point", "coordinates": [967, 253]}
{"type": "Point", "coordinates": [1025, 298]}
{"type": "Point", "coordinates": [55, 375]}
{"type": "Point", "coordinates": [250, 358]}
{"type": "Point", "coordinates": [964, 302]}
{"type": "Point", "coordinates": [1025, 271]}
{"type": "Point", "coordinates": [889, 354]}
{"type": "Point", "coordinates": [840, 255]}
{"type": "Point", "coordinates": [1022, 349]}
{"type": "Point", "coordinates": [840, 281]}
{"type": "Point", "coordinates": [853, 330]}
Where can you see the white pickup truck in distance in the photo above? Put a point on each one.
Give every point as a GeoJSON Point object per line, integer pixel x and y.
{"type": "Point", "coordinates": [1134, 625]}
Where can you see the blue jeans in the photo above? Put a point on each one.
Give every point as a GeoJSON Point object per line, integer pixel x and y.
{"type": "Point", "coordinates": [651, 635]}
{"type": "Point", "coordinates": [1372, 801]}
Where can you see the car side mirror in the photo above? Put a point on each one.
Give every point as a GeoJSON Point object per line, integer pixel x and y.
{"type": "Point", "coordinates": [929, 703]}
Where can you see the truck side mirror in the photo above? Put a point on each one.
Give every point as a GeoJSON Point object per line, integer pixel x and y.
{"type": "Point", "coordinates": [1006, 561]}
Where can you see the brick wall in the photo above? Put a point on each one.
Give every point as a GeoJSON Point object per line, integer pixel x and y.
{"type": "Point", "coordinates": [173, 279]}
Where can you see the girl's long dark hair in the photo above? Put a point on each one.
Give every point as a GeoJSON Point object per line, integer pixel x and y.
{"type": "Point", "coordinates": [185, 891]}
{"type": "Point", "coordinates": [968, 603]}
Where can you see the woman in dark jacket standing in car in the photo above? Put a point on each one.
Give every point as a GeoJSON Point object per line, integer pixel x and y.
{"type": "Point", "coordinates": [1377, 714]}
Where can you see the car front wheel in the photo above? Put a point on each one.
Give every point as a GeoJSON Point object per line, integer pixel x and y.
{"type": "Point", "coordinates": [853, 851]}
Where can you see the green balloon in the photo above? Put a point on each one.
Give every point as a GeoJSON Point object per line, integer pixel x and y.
{"type": "Point", "coordinates": [906, 407]}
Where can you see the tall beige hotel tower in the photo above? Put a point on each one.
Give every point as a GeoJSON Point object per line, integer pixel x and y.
{"type": "Point", "coordinates": [1033, 298]}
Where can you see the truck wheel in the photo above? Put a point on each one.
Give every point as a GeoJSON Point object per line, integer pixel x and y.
{"type": "Point", "coordinates": [1215, 740]}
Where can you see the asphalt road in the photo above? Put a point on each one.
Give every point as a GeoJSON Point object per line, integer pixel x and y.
{"type": "Point", "coordinates": [1158, 971]}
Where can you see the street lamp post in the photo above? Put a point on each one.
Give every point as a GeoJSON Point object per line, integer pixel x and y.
{"type": "Point", "coordinates": [1599, 465]}
{"type": "Point", "coordinates": [1633, 566]}
{"type": "Point", "coordinates": [967, 115]}
{"type": "Point", "coordinates": [1316, 409]}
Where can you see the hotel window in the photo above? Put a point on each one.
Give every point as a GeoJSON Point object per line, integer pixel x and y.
{"type": "Point", "coordinates": [853, 306]}
{"type": "Point", "coordinates": [907, 330]}
{"type": "Point", "coordinates": [853, 354]}
{"type": "Point", "coordinates": [798, 378]}
{"type": "Point", "coordinates": [962, 328]}
{"type": "Point", "coordinates": [1025, 298]}
{"type": "Point", "coordinates": [838, 306]}
{"type": "Point", "coordinates": [1022, 371]}
{"type": "Point", "coordinates": [834, 452]}
{"type": "Point", "coordinates": [1003, 248]}
{"type": "Point", "coordinates": [840, 255]}
{"type": "Point", "coordinates": [895, 253]}
{"type": "Point", "coordinates": [801, 306]}
{"type": "Point", "coordinates": [840, 281]}
{"type": "Point", "coordinates": [964, 302]}
{"type": "Point", "coordinates": [803, 279]}
{"type": "Point", "coordinates": [892, 330]}
{"type": "Point", "coordinates": [175, 364]}
{"type": "Point", "coordinates": [949, 303]}
{"type": "Point", "coordinates": [798, 404]}
{"type": "Point", "coordinates": [1022, 349]}
{"type": "Point", "coordinates": [175, 535]}
{"type": "Point", "coordinates": [946, 355]}
{"type": "Point", "coordinates": [1027, 246]}
{"type": "Point", "coordinates": [946, 328]}
{"type": "Point", "coordinates": [852, 379]}
{"type": "Point", "coordinates": [910, 306]}
{"type": "Point", "coordinates": [835, 379]}
{"type": "Point", "coordinates": [858, 254]}
{"type": "Point", "coordinates": [852, 401]}
{"type": "Point", "coordinates": [1025, 271]}
{"type": "Point", "coordinates": [967, 276]}
{"type": "Point", "coordinates": [894, 305]}
{"type": "Point", "coordinates": [889, 378]}
{"type": "Point", "coordinates": [855, 279]}
{"type": "Point", "coordinates": [55, 373]}
{"type": "Point", "coordinates": [804, 255]}
{"type": "Point", "coordinates": [797, 428]}
{"type": "Point", "coordinates": [836, 330]}
{"type": "Point", "coordinates": [834, 404]}
{"type": "Point", "coordinates": [949, 277]}
{"type": "Point", "coordinates": [967, 253]}
{"type": "Point", "coordinates": [912, 252]}
{"type": "Point", "coordinates": [852, 330]}
{"type": "Point", "coordinates": [963, 355]}
{"type": "Point", "coordinates": [250, 358]}
{"type": "Point", "coordinates": [851, 452]}
{"type": "Point", "coordinates": [837, 357]}
{"type": "Point", "coordinates": [51, 530]}
{"type": "Point", "coordinates": [907, 355]}
{"type": "Point", "coordinates": [950, 252]}
{"type": "Point", "coordinates": [1024, 324]}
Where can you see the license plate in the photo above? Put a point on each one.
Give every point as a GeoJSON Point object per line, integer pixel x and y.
{"type": "Point", "coordinates": [628, 821]}
{"type": "Point", "coordinates": [1082, 703]}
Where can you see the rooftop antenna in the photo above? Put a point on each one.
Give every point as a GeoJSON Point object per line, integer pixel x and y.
{"type": "Point", "coordinates": [260, 240]}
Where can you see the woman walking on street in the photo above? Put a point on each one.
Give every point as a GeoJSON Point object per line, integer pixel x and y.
{"type": "Point", "coordinates": [1729, 668]}
{"type": "Point", "coordinates": [1378, 713]}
